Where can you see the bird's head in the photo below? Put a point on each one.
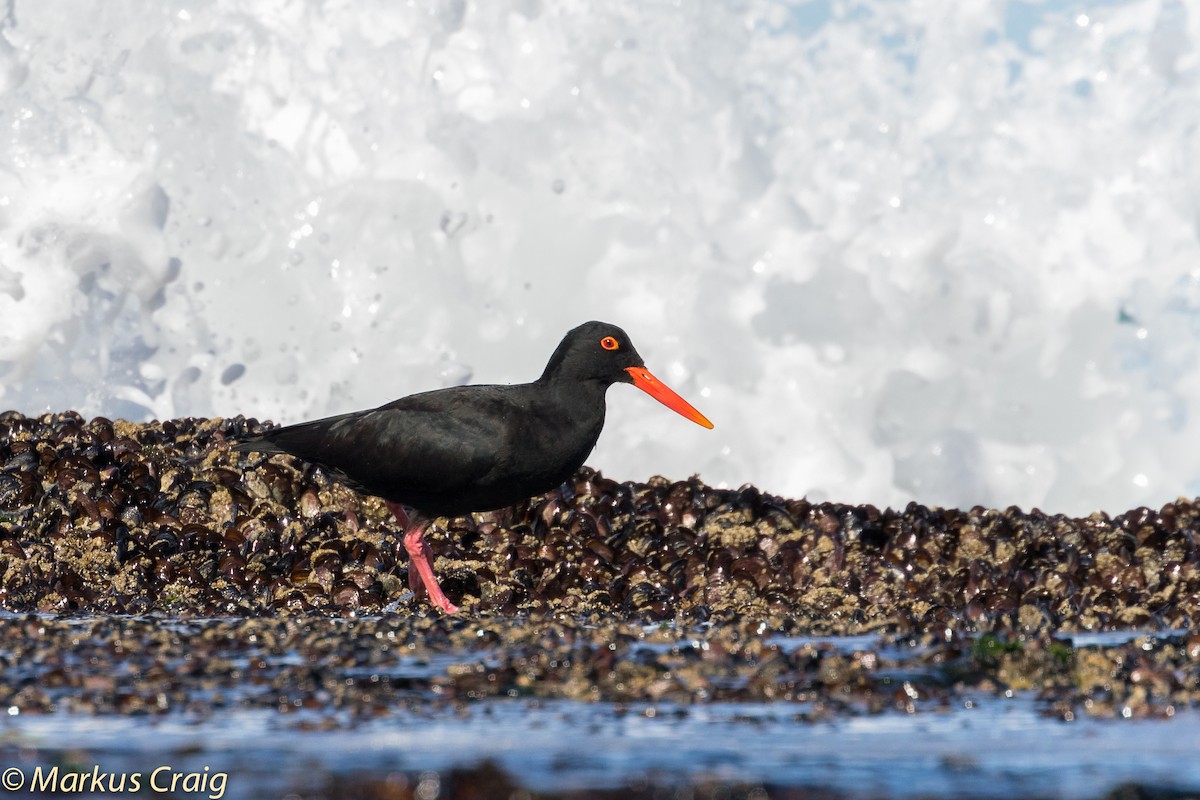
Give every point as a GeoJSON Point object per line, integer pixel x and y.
{"type": "Point", "coordinates": [599, 351]}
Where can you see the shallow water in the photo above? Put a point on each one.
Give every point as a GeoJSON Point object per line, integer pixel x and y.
{"type": "Point", "coordinates": [997, 747]}
{"type": "Point", "coordinates": [1110, 638]}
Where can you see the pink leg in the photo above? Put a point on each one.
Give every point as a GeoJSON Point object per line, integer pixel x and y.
{"type": "Point", "coordinates": [420, 569]}
{"type": "Point", "coordinates": [414, 576]}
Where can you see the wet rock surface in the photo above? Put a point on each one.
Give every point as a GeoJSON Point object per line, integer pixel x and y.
{"type": "Point", "coordinates": [147, 570]}
{"type": "Point", "coordinates": [349, 670]}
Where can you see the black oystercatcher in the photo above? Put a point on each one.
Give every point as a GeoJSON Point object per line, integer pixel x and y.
{"type": "Point", "coordinates": [475, 448]}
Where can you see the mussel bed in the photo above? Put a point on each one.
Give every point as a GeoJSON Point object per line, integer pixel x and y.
{"type": "Point", "coordinates": [288, 590]}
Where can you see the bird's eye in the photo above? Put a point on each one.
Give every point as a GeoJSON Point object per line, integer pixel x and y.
{"type": "Point", "coordinates": [609, 343]}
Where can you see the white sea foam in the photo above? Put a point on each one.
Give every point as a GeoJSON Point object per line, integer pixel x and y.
{"type": "Point", "coordinates": [934, 251]}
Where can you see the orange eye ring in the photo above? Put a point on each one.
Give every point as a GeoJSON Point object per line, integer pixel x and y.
{"type": "Point", "coordinates": [610, 343]}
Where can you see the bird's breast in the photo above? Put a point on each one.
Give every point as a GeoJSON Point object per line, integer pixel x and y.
{"type": "Point", "coordinates": [551, 442]}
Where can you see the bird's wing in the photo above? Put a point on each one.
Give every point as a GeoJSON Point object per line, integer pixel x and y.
{"type": "Point", "coordinates": [431, 441]}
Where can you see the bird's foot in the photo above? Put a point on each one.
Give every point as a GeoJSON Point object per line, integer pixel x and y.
{"type": "Point", "coordinates": [444, 604]}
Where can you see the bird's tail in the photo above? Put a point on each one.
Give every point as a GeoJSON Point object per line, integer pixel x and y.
{"type": "Point", "coordinates": [294, 439]}
{"type": "Point", "coordinates": [257, 445]}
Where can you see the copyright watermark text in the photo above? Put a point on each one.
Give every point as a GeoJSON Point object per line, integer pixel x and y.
{"type": "Point", "coordinates": [161, 780]}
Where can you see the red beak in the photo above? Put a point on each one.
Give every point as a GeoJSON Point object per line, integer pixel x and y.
{"type": "Point", "coordinates": [652, 386]}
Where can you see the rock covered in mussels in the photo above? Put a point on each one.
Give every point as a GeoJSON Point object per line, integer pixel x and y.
{"type": "Point", "coordinates": [120, 517]}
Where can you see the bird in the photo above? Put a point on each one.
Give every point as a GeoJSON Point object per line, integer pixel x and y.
{"type": "Point", "coordinates": [453, 451]}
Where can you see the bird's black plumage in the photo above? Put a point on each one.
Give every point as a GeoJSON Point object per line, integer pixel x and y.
{"type": "Point", "coordinates": [472, 448]}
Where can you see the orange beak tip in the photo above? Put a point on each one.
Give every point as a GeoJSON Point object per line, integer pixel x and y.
{"type": "Point", "coordinates": [644, 380]}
